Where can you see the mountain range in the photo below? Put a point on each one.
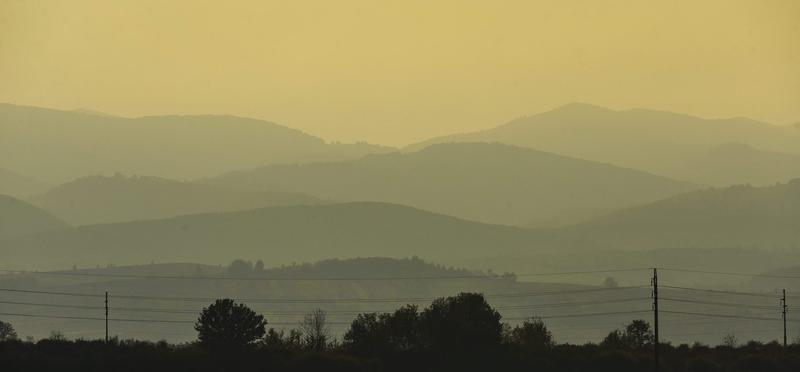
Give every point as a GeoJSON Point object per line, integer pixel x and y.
{"type": "Point", "coordinates": [669, 144]}
{"type": "Point", "coordinates": [20, 186]}
{"type": "Point", "coordinates": [18, 218]}
{"type": "Point", "coordinates": [735, 216]}
{"type": "Point", "coordinates": [275, 234]}
{"type": "Point", "coordinates": [102, 199]}
{"type": "Point", "coordinates": [730, 219]}
{"type": "Point", "coordinates": [57, 146]}
{"type": "Point", "coordinates": [490, 183]}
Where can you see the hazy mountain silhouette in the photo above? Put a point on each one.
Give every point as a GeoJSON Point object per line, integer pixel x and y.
{"type": "Point", "coordinates": [491, 183]}
{"type": "Point", "coordinates": [20, 218]}
{"type": "Point", "coordinates": [275, 234]}
{"type": "Point", "coordinates": [725, 164]}
{"type": "Point", "coordinates": [17, 185]}
{"type": "Point", "coordinates": [61, 145]}
{"type": "Point", "coordinates": [743, 216]}
{"type": "Point", "coordinates": [100, 199]}
{"type": "Point", "coordinates": [660, 142]}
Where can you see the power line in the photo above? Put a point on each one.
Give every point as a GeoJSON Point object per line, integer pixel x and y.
{"type": "Point", "coordinates": [313, 300]}
{"type": "Point", "coordinates": [722, 315]}
{"type": "Point", "coordinates": [288, 312]}
{"type": "Point", "coordinates": [95, 318]}
{"type": "Point", "coordinates": [719, 291]}
{"type": "Point", "coordinates": [719, 303]}
{"type": "Point", "coordinates": [293, 278]}
{"type": "Point", "coordinates": [776, 276]}
{"type": "Point", "coordinates": [136, 320]}
{"type": "Point", "coordinates": [582, 303]}
{"type": "Point", "coordinates": [583, 315]}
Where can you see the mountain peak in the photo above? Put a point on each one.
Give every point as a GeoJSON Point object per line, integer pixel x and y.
{"type": "Point", "coordinates": [582, 107]}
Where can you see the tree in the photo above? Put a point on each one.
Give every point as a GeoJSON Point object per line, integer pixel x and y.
{"type": "Point", "coordinates": [730, 341]}
{"type": "Point", "coordinates": [315, 330]}
{"type": "Point", "coordinates": [279, 340]}
{"type": "Point", "coordinates": [614, 340]}
{"type": "Point", "coordinates": [463, 323]}
{"type": "Point", "coordinates": [532, 334]}
{"type": "Point", "coordinates": [638, 334]}
{"type": "Point", "coordinates": [373, 334]}
{"type": "Point", "coordinates": [259, 267]}
{"type": "Point", "coordinates": [240, 268]}
{"type": "Point", "coordinates": [367, 335]}
{"type": "Point", "coordinates": [7, 332]}
{"type": "Point", "coordinates": [227, 324]}
{"type": "Point", "coordinates": [610, 282]}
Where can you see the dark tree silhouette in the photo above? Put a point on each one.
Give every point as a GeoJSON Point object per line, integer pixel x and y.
{"type": "Point", "coordinates": [464, 323]}
{"type": "Point", "coordinates": [532, 334]}
{"type": "Point", "coordinates": [7, 332]}
{"type": "Point", "coordinates": [636, 335]}
{"type": "Point", "coordinates": [227, 324]}
{"type": "Point", "coordinates": [373, 334]}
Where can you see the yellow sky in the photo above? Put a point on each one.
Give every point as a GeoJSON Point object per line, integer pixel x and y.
{"type": "Point", "coordinates": [395, 72]}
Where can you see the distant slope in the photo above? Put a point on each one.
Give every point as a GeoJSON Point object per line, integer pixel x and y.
{"type": "Point", "coordinates": [660, 142]}
{"type": "Point", "coordinates": [279, 235]}
{"type": "Point", "coordinates": [736, 163]}
{"type": "Point", "coordinates": [17, 185]}
{"type": "Point", "coordinates": [99, 199]}
{"type": "Point", "coordinates": [491, 183]}
{"type": "Point", "coordinates": [58, 145]}
{"type": "Point", "coordinates": [738, 216]}
{"type": "Point", "coordinates": [18, 218]}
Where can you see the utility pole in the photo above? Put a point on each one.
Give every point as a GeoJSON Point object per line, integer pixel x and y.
{"type": "Point", "coordinates": [655, 319]}
{"type": "Point", "coordinates": [106, 316]}
{"type": "Point", "coordinates": [783, 313]}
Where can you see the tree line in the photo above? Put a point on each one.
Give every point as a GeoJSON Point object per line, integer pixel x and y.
{"type": "Point", "coordinates": [461, 332]}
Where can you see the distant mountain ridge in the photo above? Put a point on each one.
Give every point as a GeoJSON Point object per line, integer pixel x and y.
{"type": "Point", "coordinates": [277, 234]}
{"type": "Point", "coordinates": [101, 199]}
{"type": "Point", "coordinates": [491, 183]}
{"type": "Point", "coordinates": [59, 145]}
{"type": "Point", "coordinates": [19, 186]}
{"type": "Point", "coordinates": [18, 218]}
{"type": "Point", "coordinates": [733, 219]}
{"type": "Point", "coordinates": [659, 142]}
{"type": "Point", "coordinates": [736, 216]}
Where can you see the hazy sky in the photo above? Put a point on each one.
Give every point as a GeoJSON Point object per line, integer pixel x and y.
{"type": "Point", "coordinates": [395, 72]}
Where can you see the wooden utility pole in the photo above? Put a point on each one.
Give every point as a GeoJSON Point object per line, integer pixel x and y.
{"type": "Point", "coordinates": [783, 313]}
{"type": "Point", "coordinates": [655, 319]}
{"type": "Point", "coordinates": [106, 316]}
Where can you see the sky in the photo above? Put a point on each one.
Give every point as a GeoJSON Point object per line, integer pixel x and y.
{"type": "Point", "coordinates": [397, 72]}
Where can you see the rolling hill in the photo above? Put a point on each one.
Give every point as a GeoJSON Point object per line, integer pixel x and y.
{"type": "Point", "coordinates": [491, 183]}
{"type": "Point", "coordinates": [726, 164]}
{"type": "Point", "coordinates": [19, 218]}
{"type": "Point", "coordinates": [99, 199]}
{"type": "Point", "coordinates": [57, 146]}
{"type": "Point", "coordinates": [278, 235]}
{"type": "Point", "coordinates": [736, 216]}
{"type": "Point", "coordinates": [19, 186]}
{"type": "Point", "coordinates": [665, 143]}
